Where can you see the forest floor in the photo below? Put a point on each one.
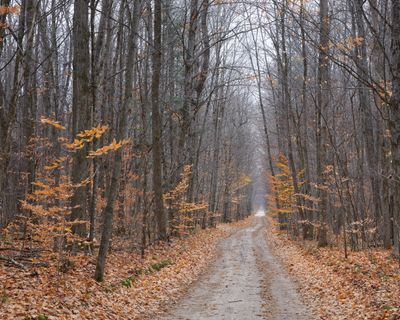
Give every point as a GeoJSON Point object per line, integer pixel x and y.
{"type": "Point", "coordinates": [245, 282]}
{"type": "Point", "coordinates": [241, 271]}
{"type": "Point", "coordinates": [259, 273]}
{"type": "Point", "coordinates": [134, 288]}
{"type": "Point", "coordinates": [366, 285]}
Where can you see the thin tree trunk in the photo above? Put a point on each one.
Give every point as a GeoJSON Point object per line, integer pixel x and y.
{"type": "Point", "coordinates": [156, 127]}
{"type": "Point", "coordinates": [113, 187]}
{"type": "Point", "coordinates": [322, 104]}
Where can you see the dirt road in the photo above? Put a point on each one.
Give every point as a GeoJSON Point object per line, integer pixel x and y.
{"type": "Point", "coordinates": [245, 282]}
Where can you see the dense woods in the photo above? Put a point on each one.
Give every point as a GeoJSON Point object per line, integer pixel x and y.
{"type": "Point", "coordinates": [127, 124]}
{"type": "Point", "coordinates": [136, 136]}
{"type": "Point", "coordinates": [120, 119]}
{"type": "Point", "coordinates": [329, 75]}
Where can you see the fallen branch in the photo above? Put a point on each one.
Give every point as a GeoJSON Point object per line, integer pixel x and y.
{"type": "Point", "coordinates": [9, 249]}
{"type": "Point", "coordinates": [13, 262]}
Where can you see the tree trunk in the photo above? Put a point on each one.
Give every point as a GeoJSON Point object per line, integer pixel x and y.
{"type": "Point", "coordinates": [322, 104]}
{"type": "Point", "coordinates": [113, 187]}
{"type": "Point", "coordinates": [156, 127]}
{"type": "Point", "coordinates": [81, 113]}
{"type": "Point", "coordinates": [395, 124]}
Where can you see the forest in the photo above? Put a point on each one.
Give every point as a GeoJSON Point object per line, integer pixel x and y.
{"type": "Point", "coordinates": [143, 142]}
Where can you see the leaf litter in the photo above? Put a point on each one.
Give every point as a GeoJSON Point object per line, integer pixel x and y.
{"type": "Point", "coordinates": [366, 285]}
{"type": "Point", "coordinates": [134, 288]}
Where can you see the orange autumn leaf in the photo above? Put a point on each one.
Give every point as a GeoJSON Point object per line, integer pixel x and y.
{"type": "Point", "coordinates": [113, 146]}
{"type": "Point", "coordinates": [53, 123]}
{"type": "Point", "coordinates": [9, 9]}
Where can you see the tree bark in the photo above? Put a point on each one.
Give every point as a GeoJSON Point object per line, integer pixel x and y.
{"type": "Point", "coordinates": [113, 187]}
{"type": "Point", "coordinates": [81, 113]}
{"type": "Point", "coordinates": [156, 127]}
{"type": "Point", "coordinates": [322, 104]}
{"type": "Point", "coordinates": [395, 124]}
